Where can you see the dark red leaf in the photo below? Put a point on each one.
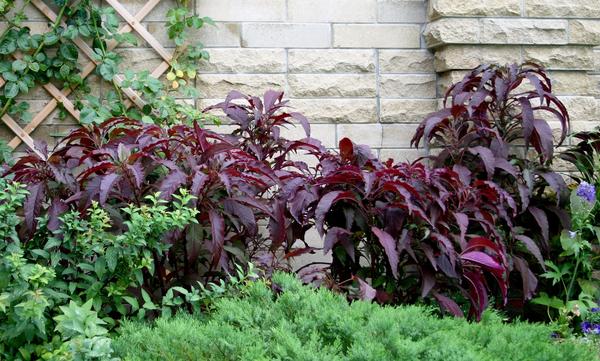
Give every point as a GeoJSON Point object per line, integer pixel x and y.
{"type": "Point", "coordinates": [389, 246]}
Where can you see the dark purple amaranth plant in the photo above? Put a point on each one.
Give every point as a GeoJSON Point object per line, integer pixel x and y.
{"type": "Point", "coordinates": [495, 127]}
{"type": "Point", "coordinates": [404, 231]}
{"type": "Point", "coordinates": [238, 180]}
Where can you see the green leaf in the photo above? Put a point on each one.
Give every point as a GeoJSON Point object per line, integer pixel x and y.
{"type": "Point", "coordinates": [112, 258]}
{"type": "Point", "coordinates": [100, 267]}
{"type": "Point", "coordinates": [19, 65]}
{"type": "Point", "coordinates": [22, 86]}
{"type": "Point", "coordinates": [69, 52]}
{"type": "Point", "coordinates": [41, 253]}
{"type": "Point", "coordinates": [11, 90]}
{"type": "Point", "coordinates": [133, 302]}
{"type": "Point", "coordinates": [35, 67]}
{"type": "Point", "coordinates": [86, 267]}
{"type": "Point", "coordinates": [65, 70]}
{"type": "Point", "coordinates": [50, 38]}
{"type": "Point", "coordinates": [10, 76]}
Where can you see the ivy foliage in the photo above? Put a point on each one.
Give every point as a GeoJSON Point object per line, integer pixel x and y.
{"type": "Point", "coordinates": [29, 59]}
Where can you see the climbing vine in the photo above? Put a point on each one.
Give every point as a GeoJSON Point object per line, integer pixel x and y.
{"type": "Point", "coordinates": [29, 59]}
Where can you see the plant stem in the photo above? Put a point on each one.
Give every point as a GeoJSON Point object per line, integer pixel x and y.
{"type": "Point", "coordinates": [103, 49]}
{"type": "Point", "coordinates": [36, 52]}
{"type": "Point", "coordinates": [572, 283]}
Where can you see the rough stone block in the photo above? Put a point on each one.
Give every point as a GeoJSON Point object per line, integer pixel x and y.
{"type": "Point", "coordinates": [452, 31]}
{"type": "Point", "coordinates": [332, 85]}
{"type": "Point", "coordinates": [368, 134]}
{"type": "Point", "coordinates": [524, 31]}
{"type": "Point", "coordinates": [222, 34]}
{"type": "Point", "coordinates": [452, 8]}
{"type": "Point", "coordinates": [219, 85]}
{"type": "Point", "coordinates": [561, 58]}
{"type": "Point", "coordinates": [562, 8]}
{"type": "Point", "coordinates": [406, 110]}
{"type": "Point", "coordinates": [323, 132]}
{"type": "Point", "coordinates": [138, 59]}
{"type": "Point", "coordinates": [406, 61]}
{"type": "Point", "coordinates": [331, 61]}
{"type": "Point", "coordinates": [242, 10]}
{"type": "Point", "coordinates": [408, 86]}
{"type": "Point", "coordinates": [401, 155]}
{"type": "Point", "coordinates": [460, 57]}
{"type": "Point", "coordinates": [448, 78]}
{"type": "Point", "coordinates": [398, 135]}
{"type": "Point", "coordinates": [585, 32]}
{"type": "Point", "coordinates": [582, 109]}
{"type": "Point", "coordinates": [269, 35]}
{"type": "Point", "coordinates": [376, 36]}
{"type": "Point", "coordinates": [401, 11]}
{"type": "Point", "coordinates": [334, 11]}
{"type": "Point", "coordinates": [337, 110]}
{"type": "Point", "coordinates": [232, 60]}
{"type": "Point", "coordinates": [574, 83]}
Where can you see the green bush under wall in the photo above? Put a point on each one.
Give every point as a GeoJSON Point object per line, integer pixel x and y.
{"type": "Point", "coordinates": [301, 323]}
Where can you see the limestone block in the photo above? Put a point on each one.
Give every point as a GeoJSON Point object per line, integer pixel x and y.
{"type": "Point", "coordinates": [452, 31]}
{"type": "Point", "coordinates": [269, 35]}
{"type": "Point", "coordinates": [242, 10]}
{"type": "Point", "coordinates": [232, 60]}
{"type": "Point", "coordinates": [406, 110]}
{"type": "Point", "coordinates": [561, 58]}
{"type": "Point", "coordinates": [401, 11]}
{"type": "Point", "coordinates": [584, 32]}
{"type": "Point", "coordinates": [331, 61]}
{"type": "Point", "coordinates": [398, 135]}
{"type": "Point", "coordinates": [222, 34]}
{"type": "Point", "coordinates": [332, 85]}
{"type": "Point", "coordinates": [368, 134]}
{"type": "Point", "coordinates": [138, 59]}
{"type": "Point", "coordinates": [524, 31]}
{"type": "Point", "coordinates": [573, 83]}
{"type": "Point", "coordinates": [582, 109]}
{"type": "Point", "coordinates": [376, 36]}
{"type": "Point", "coordinates": [323, 132]}
{"type": "Point", "coordinates": [460, 57]}
{"type": "Point", "coordinates": [337, 110]}
{"type": "Point", "coordinates": [562, 8]}
{"type": "Point", "coordinates": [406, 61]}
{"type": "Point", "coordinates": [597, 60]}
{"type": "Point", "coordinates": [334, 11]}
{"type": "Point", "coordinates": [408, 86]}
{"type": "Point", "coordinates": [401, 155]}
{"type": "Point", "coordinates": [451, 8]}
{"type": "Point", "coordinates": [446, 79]}
{"type": "Point", "coordinates": [219, 85]}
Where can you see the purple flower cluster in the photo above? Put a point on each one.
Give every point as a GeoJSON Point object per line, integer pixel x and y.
{"type": "Point", "coordinates": [589, 328]}
{"type": "Point", "coordinates": [587, 192]}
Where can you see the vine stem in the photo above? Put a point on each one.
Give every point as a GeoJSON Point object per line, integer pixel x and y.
{"type": "Point", "coordinates": [36, 52]}
{"type": "Point", "coordinates": [103, 49]}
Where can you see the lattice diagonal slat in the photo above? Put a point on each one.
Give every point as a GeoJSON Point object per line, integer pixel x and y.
{"type": "Point", "coordinates": [60, 96]}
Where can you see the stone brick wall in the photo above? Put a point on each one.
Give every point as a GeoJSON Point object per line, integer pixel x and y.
{"type": "Point", "coordinates": [371, 69]}
{"type": "Point", "coordinates": [356, 68]}
{"type": "Point", "coordinates": [559, 34]}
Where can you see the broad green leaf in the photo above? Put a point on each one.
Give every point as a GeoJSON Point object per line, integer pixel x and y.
{"type": "Point", "coordinates": [11, 90]}
{"type": "Point", "coordinates": [19, 65]}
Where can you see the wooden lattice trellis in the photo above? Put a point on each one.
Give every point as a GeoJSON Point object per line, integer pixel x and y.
{"type": "Point", "coordinates": [60, 96]}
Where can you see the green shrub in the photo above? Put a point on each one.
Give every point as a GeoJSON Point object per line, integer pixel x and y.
{"type": "Point", "coordinates": [63, 291]}
{"type": "Point", "coordinates": [306, 324]}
